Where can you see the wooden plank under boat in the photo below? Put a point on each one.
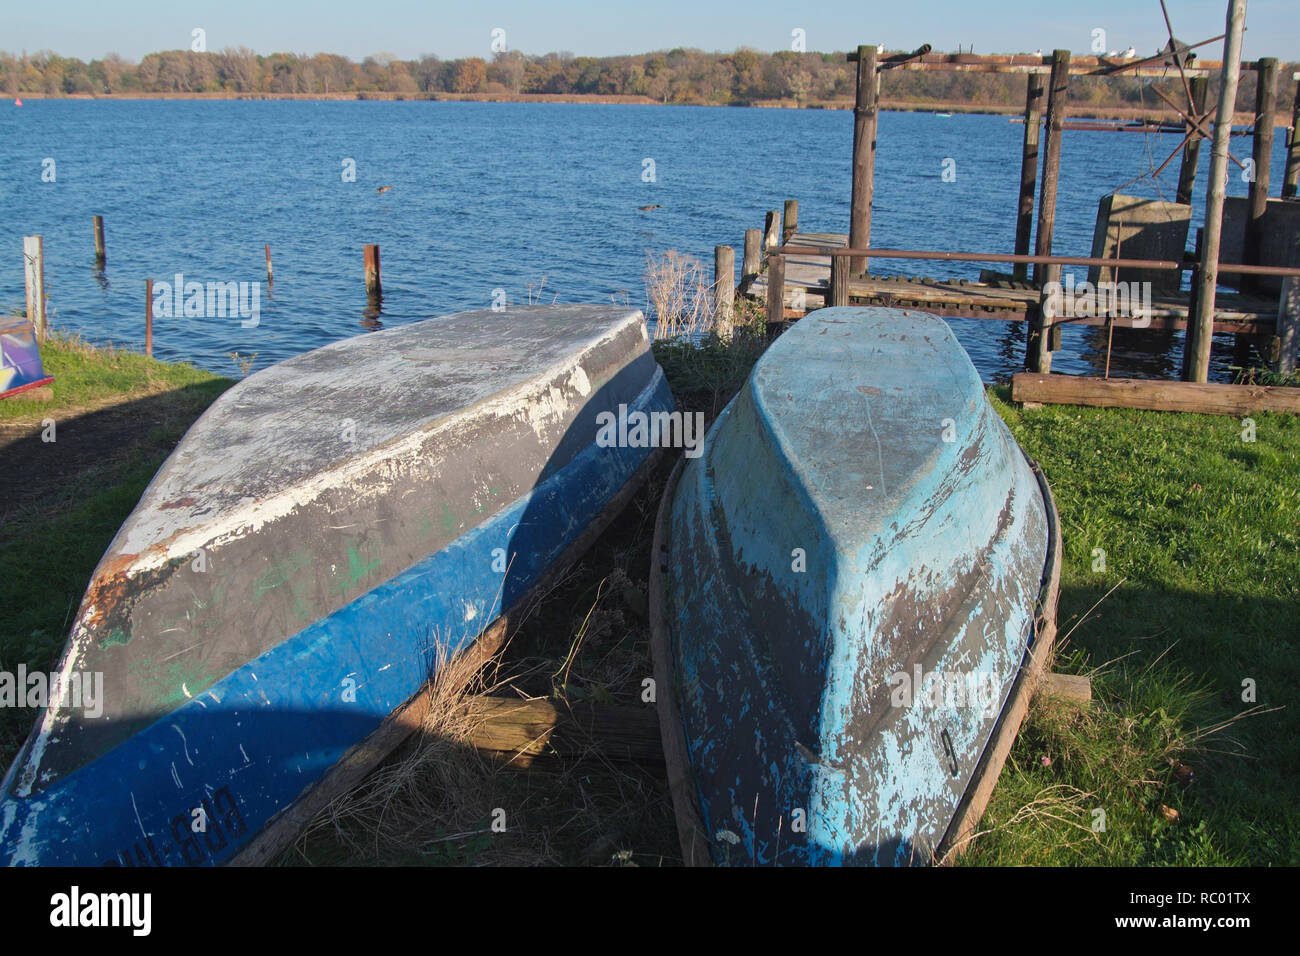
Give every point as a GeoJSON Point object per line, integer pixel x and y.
{"type": "Point", "coordinates": [853, 595]}
{"type": "Point", "coordinates": [325, 534]}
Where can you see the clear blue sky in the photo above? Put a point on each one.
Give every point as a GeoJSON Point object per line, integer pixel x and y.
{"type": "Point", "coordinates": [409, 28]}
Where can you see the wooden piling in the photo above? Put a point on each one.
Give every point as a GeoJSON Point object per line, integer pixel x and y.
{"type": "Point", "coordinates": [1261, 154]}
{"type": "Point", "coordinates": [374, 284]}
{"type": "Point", "coordinates": [1057, 91]}
{"type": "Point", "coordinates": [1028, 171]}
{"type": "Point", "coordinates": [1200, 324]}
{"type": "Point", "coordinates": [101, 255]}
{"type": "Point", "coordinates": [864, 153]}
{"type": "Point", "coordinates": [771, 230]}
{"type": "Point", "coordinates": [1038, 344]}
{"type": "Point", "coordinates": [724, 283]}
{"type": "Point", "coordinates": [148, 317]}
{"type": "Point", "coordinates": [790, 219]}
{"type": "Point", "coordinates": [1291, 177]}
{"type": "Point", "coordinates": [752, 264]}
{"type": "Point", "coordinates": [839, 291]}
{"type": "Point", "coordinates": [269, 277]}
{"type": "Point", "coordinates": [775, 290]}
{"type": "Point", "coordinates": [34, 279]}
{"type": "Point", "coordinates": [1288, 316]}
{"type": "Point", "coordinates": [1192, 151]}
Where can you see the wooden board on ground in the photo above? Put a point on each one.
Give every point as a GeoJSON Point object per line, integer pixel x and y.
{"type": "Point", "coordinates": [1202, 398]}
{"type": "Point", "coordinates": [524, 730]}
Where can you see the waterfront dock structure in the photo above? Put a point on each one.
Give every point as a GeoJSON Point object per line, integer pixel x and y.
{"type": "Point", "coordinates": [1257, 237]}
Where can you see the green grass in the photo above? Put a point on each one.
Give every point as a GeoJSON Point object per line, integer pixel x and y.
{"type": "Point", "coordinates": [1200, 591]}
{"type": "Point", "coordinates": [86, 376]}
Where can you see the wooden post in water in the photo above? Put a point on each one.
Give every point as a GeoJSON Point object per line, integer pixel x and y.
{"type": "Point", "coordinates": [752, 264]}
{"type": "Point", "coordinates": [772, 230]}
{"type": "Point", "coordinates": [1192, 151]}
{"type": "Point", "coordinates": [101, 255]}
{"type": "Point", "coordinates": [775, 290]}
{"type": "Point", "coordinates": [1200, 324]}
{"type": "Point", "coordinates": [1038, 354]}
{"type": "Point", "coordinates": [1291, 177]}
{"type": "Point", "coordinates": [1261, 154]}
{"type": "Point", "coordinates": [790, 219]}
{"type": "Point", "coordinates": [1028, 172]}
{"type": "Point", "coordinates": [269, 277]}
{"type": "Point", "coordinates": [724, 283]}
{"type": "Point", "coordinates": [864, 152]}
{"type": "Point", "coordinates": [148, 317]}
{"type": "Point", "coordinates": [374, 285]}
{"type": "Point", "coordinates": [839, 291]}
{"type": "Point", "coordinates": [34, 279]}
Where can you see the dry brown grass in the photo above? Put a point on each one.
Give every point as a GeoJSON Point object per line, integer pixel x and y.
{"type": "Point", "coordinates": [679, 296]}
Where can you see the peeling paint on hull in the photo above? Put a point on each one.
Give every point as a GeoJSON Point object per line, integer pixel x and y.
{"type": "Point", "coordinates": [389, 556]}
{"type": "Point", "coordinates": [828, 540]}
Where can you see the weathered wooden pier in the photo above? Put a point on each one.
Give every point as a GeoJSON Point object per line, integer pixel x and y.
{"type": "Point", "coordinates": [1250, 245]}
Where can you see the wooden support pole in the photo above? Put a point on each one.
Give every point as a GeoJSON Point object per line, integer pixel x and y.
{"type": "Point", "coordinates": [101, 255]}
{"type": "Point", "coordinates": [790, 219]}
{"type": "Point", "coordinates": [1153, 394]}
{"type": "Point", "coordinates": [752, 264]}
{"type": "Point", "coordinates": [148, 317]}
{"type": "Point", "coordinates": [771, 230]}
{"type": "Point", "coordinates": [269, 277]}
{"type": "Point", "coordinates": [1057, 91]}
{"type": "Point", "coordinates": [1291, 177]}
{"type": "Point", "coordinates": [1201, 323]}
{"type": "Point", "coordinates": [1038, 341]}
{"type": "Point", "coordinates": [1042, 333]}
{"type": "Point", "coordinates": [864, 152]}
{"type": "Point", "coordinates": [1028, 171]}
{"type": "Point", "coordinates": [374, 284]}
{"type": "Point", "coordinates": [1288, 316]}
{"type": "Point", "coordinates": [1192, 151]}
{"type": "Point", "coordinates": [839, 291]}
{"type": "Point", "coordinates": [34, 279]}
{"type": "Point", "coordinates": [775, 290]}
{"type": "Point", "coordinates": [1261, 153]}
{"type": "Point", "coordinates": [724, 283]}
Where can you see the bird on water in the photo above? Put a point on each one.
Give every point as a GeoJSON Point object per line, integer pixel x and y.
{"type": "Point", "coordinates": [648, 208]}
{"type": "Point", "coordinates": [383, 189]}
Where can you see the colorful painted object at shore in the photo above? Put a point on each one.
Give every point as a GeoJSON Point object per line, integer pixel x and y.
{"type": "Point", "coordinates": [20, 359]}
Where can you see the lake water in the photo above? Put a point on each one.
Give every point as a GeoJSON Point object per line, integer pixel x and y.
{"type": "Point", "coordinates": [537, 200]}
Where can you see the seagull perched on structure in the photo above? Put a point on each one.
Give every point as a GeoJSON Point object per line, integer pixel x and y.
{"type": "Point", "coordinates": [1131, 52]}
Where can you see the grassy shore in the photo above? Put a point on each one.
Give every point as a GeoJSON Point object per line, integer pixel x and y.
{"type": "Point", "coordinates": [114, 417]}
{"type": "Point", "coordinates": [1198, 592]}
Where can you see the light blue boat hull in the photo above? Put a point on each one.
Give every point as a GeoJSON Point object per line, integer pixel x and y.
{"type": "Point", "coordinates": [850, 578]}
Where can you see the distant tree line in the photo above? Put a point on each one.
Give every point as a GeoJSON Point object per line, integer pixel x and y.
{"type": "Point", "coordinates": [690, 76]}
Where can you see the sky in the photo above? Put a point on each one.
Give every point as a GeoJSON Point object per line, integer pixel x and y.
{"type": "Point", "coordinates": [90, 28]}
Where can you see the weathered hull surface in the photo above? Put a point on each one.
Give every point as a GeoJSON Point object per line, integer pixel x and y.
{"type": "Point", "coordinates": [850, 572]}
{"type": "Point", "coordinates": [326, 532]}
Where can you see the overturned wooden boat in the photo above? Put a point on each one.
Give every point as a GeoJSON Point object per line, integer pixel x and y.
{"type": "Point", "coordinates": [853, 593]}
{"type": "Point", "coordinates": [324, 535]}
